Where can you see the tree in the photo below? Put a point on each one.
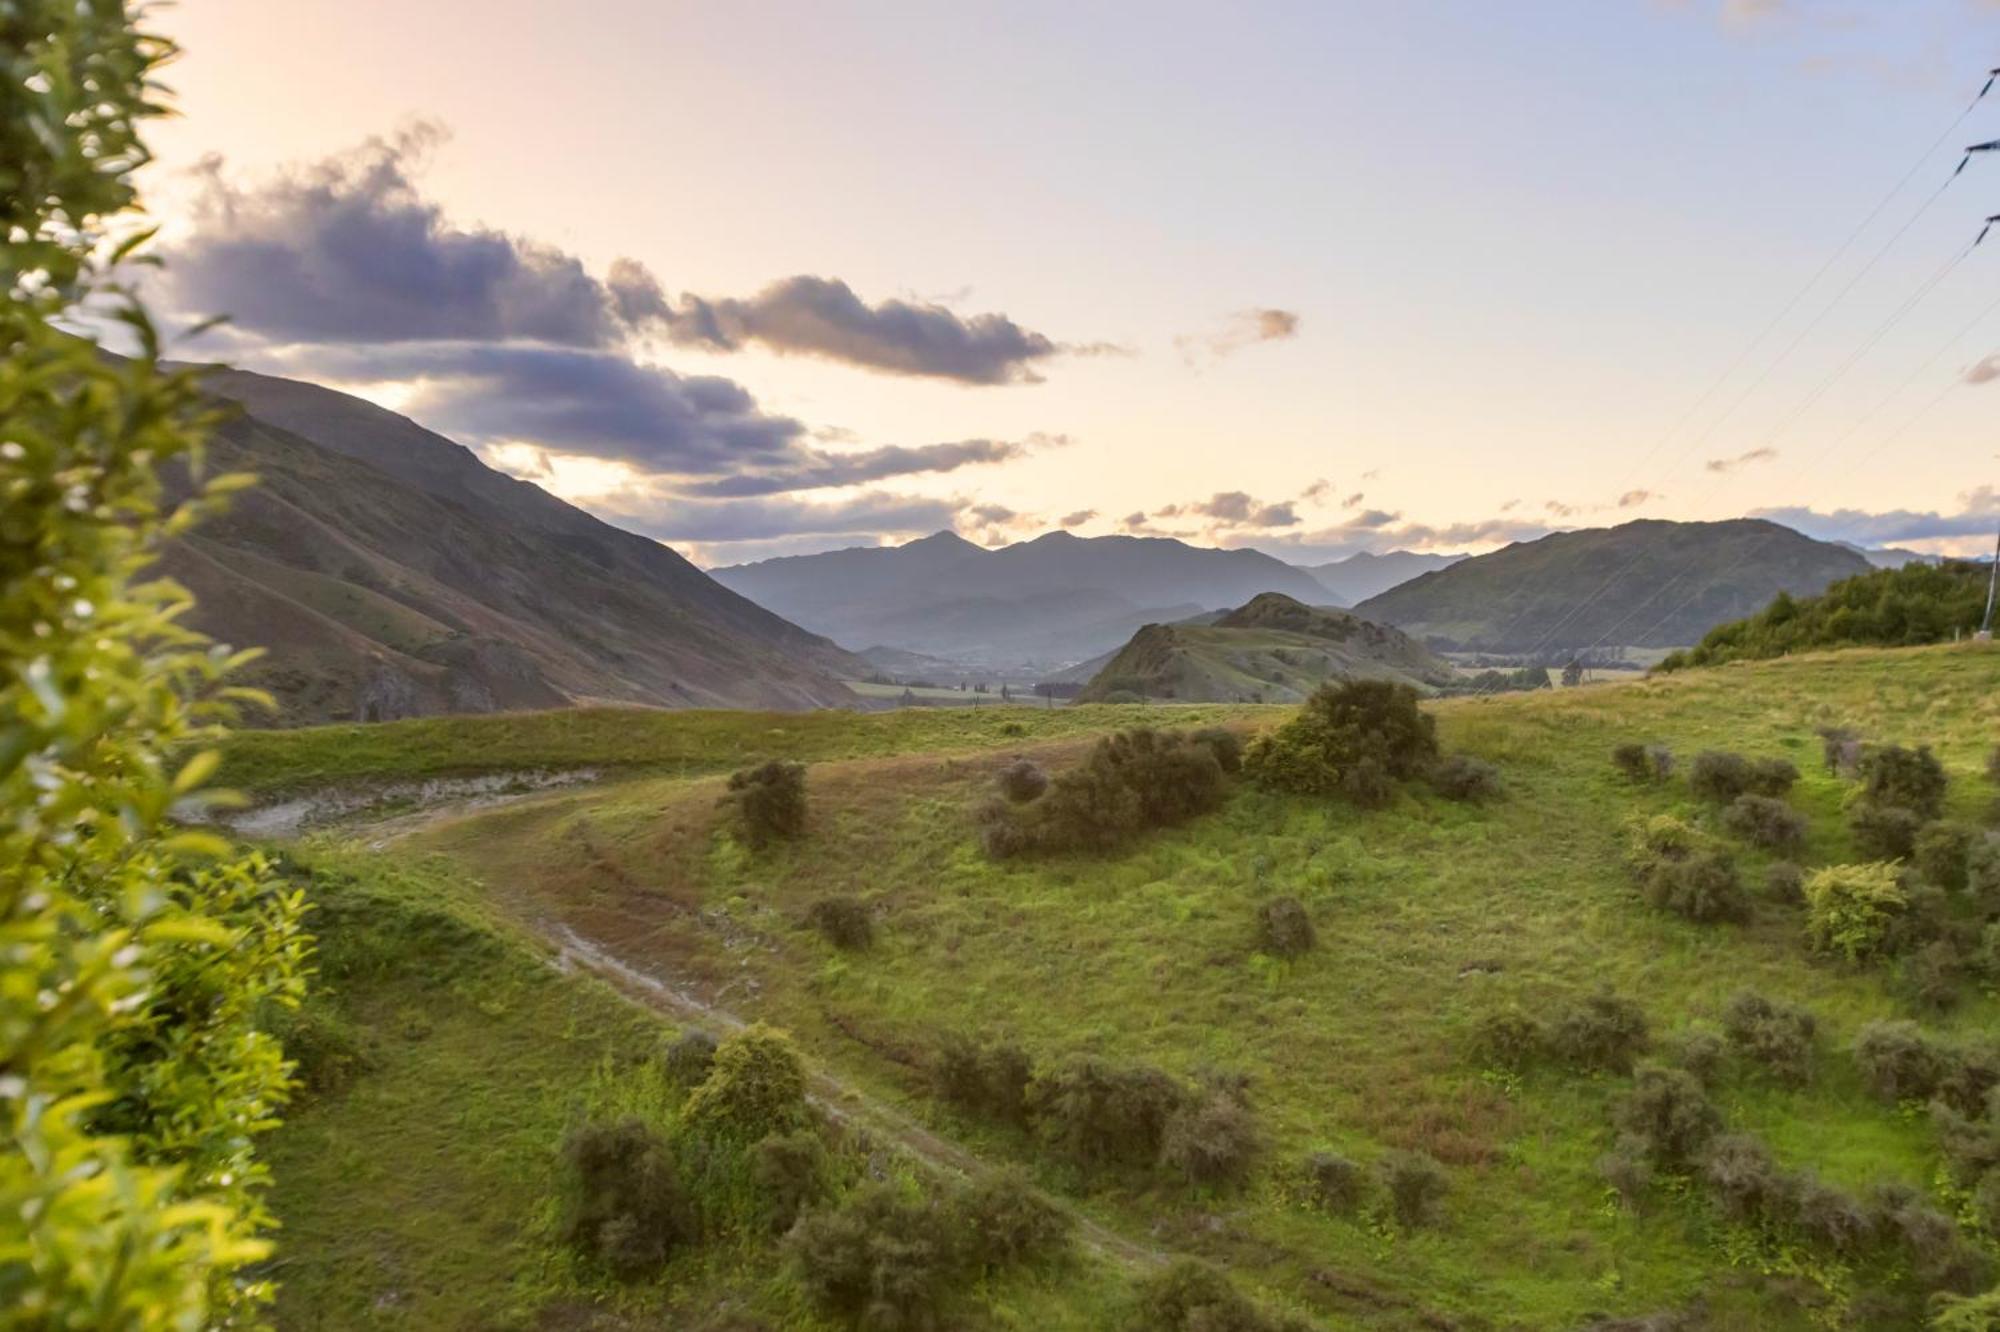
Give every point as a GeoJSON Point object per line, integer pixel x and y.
{"type": "Point", "coordinates": [136, 955]}
{"type": "Point", "coordinates": [1573, 673]}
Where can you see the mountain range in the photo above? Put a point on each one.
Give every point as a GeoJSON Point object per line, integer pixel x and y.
{"type": "Point", "coordinates": [1648, 583]}
{"type": "Point", "coordinates": [1272, 649]}
{"type": "Point", "coordinates": [1364, 575]}
{"type": "Point", "coordinates": [1023, 608]}
{"type": "Point", "coordinates": [387, 572]}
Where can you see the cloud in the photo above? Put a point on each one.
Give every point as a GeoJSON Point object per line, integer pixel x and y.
{"type": "Point", "coordinates": [350, 249]}
{"type": "Point", "coordinates": [1977, 515]}
{"type": "Point", "coordinates": [1987, 368]}
{"type": "Point", "coordinates": [1557, 509]}
{"type": "Point", "coordinates": [1760, 455]}
{"type": "Point", "coordinates": [1077, 519]}
{"type": "Point", "coordinates": [1633, 498]}
{"type": "Point", "coordinates": [819, 470]}
{"type": "Point", "coordinates": [676, 518]}
{"type": "Point", "coordinates": [1246, 328]}
{"type": "Point", "coordinates": [1352, 500]}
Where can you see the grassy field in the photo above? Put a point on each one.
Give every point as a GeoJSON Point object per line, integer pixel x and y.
{"type": "Point", "coordinates": [418, 1196]}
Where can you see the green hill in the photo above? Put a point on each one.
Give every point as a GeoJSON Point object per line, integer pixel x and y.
{"type": "Point", "coordinates": [419, 1188]}
{"type": "Point", "coordinates": [1640, 584]}
{"type": "Point", "coordinates": [1272, 649]}
{"type": "Point", "coordinates": [1899, 607]}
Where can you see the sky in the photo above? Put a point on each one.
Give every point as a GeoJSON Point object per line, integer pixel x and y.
{"type": "Point", "coordinates": [768, 278]}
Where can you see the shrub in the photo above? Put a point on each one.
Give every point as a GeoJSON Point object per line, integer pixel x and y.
{"type": "Point", "coordinates": [1967, 1078]}
{"type": "Point", "coordinates": [1667, 1115]}
{"type": "Point", "coordinates": [1765, 821]}
{"type": "Point", "coordinates": [1885, 832]}
{"type": "Point", "coordinates": [1005, 1220]}
{"type": "Point", "coordinates": [1777, 1037]}
{"type": "Point", "coordinates": [1211, 1139]}
{"type": "Point", "coordinates": [1022, 781]}
{"type": "Point", "coordinates": [1896, 1062]}
{"type": "Point", "coordinates": [1745, 1181]}
{"type": "Point", "coordinates": [1831, 1217]}
{"type": "Point", "coordinates": [842, 921]}
{"type": "Point", "coordinates": [1604, 1032]}
{"type": "Point", "coordinates": [1100, 1115]}
{"type": "Point", "coordinates": [1338, 1184]}
{"type": "Point", "coordinates": [1416, 1186]}
{"type": "Point", "coordinates": [1850, 909]}
{"type": "Point", "coordinates": [1354, 739]}
{"type": "Point", "coordinates": [1909, 779]}
{"type": "Point", "coordinates": [989, 1081]}
{"type": "Point", "coordinates": [1662, 760]}
{"type": "Point", "coordinates": [623, 1206]}
{"type": "Point", "coordinates": [1224, 744]}
{"type": "Point", "coordinates": [1002, 834]}
{"type": "Point", "coordinates": [788, 1171]}
{"type": "Point", "coordinates": [1628, 1173]}
{"type": "Point", "coordinates": [1772, 777]}
{"type": "Point", "coordinates": [1631, 761]}
{"type": "Point", "coordinates": [1839, 749]}
{"type": "Point", "coordinates": [1982, 873]}
{"type": "Point", "coordinates": [1700, 1053]}
{"type": "Point", "coordinates": [768, 801]}
{"type": "Point", "coordinates": [1190, 1296]}
{"type": "Point", "coordinates": [1465, 778]}
{"type": "Point", "coordinates": [1934, 975]}
{"type": "Point", "coordinates": [1785, 883]}
{"type": "Point", "coordinates": [1720, 776]}
{"type": "Point", "coordinates": [1942, 851]}
{"type": "Point", "coordinates": [1972, 1146]}
{"type": "Point", "coordinates": [1975, 1313]}
{"type": "Point", "coordinates": [1678, 871]}
{"type": "Point", "coordinates": [689, 1058]}
{"type": "Point", "coordinates": [1509, 1038]}
{"type": "Point", "coordinates": [880, 1259]}
{"type": "Point", "coordinates": [1939, 1256]}
{"type": "Point", "coordinates": [1130, 781]}
{"type": "Point", "coordinates": [756, 1086]}
{"type": "Point", "coordinates": [1283, 928]}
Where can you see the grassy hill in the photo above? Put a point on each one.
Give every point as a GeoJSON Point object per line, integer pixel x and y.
{"type": "Point", "coordinates": [1272, 649]}
{"type": "Point", "coordinates": [388, 573]}
{"type": "Point", "coordinates": [1640, 584]}
{"type": "Point", "coordinates": [421, 1190]}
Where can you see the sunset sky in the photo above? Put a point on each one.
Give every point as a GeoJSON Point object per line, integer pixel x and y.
{"type": "Point", "coordinates": [762, 278]}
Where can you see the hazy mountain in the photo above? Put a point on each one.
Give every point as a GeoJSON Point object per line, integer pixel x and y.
{"type": "Point", "coordinates": [389, 573]}
{"type": "Point", "coordinates": [1046, 602]}
{"type": "Point", "coordinates": [1890, 557]}
{"type": "Point", "coordinates": [1359, 577]}
{"type": "Point", "coordinates": [1641, 584]}
{"type": "Point", "coordinates": [1273, 649]}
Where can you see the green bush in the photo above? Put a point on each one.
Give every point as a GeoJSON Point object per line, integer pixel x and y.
{"type": "Point", "coordinates": [768, 802]}
{"type": "Point", "coordinates": [1005, 1221]}
{"type": "Point", "coordinates": [756, 1086]}
{"type": "Point", "coordinates": [1509, 1038]}
{"type": "Point", "coordinates": [1720, 776]}
{"type": "Point", "coordinates": [1777, 1037]}
{"type": "Point", "coordinates": [842, 921]}
{"type": "Point", "coordinates": [1934, 975]}
{"type": "Point", "coordinates": [1635, 762]}
{"type": "Point", "coordinates": [1416, 1186]}
{"type": "Point", "coordinates": [1911, 779]}
{"type": "Point", "coordinates": [1785, 883]}
{"type": "Point", "coordinates": [688, 1059]}
{"type": "Point", "coordinates": [1338, 1184]}
{"type": "Point", "coordinates": [1603, 1032]}
{"type": "Point", "coordinates": [789, 1173]}
{"type": "Point", "coordinates": [1224, 744]}
{"type": "Point", "coordinates": [1851, 909]}
{"type": "Point", "coordinates": [1896, 1062]}
{"type": "Point", "coordinates": [1131, 781]}
{"type": "Point", "coordinates": [1766, 821]}
{"type": "Point", "coordinates": [1099, 1115]}
{"type": "Point", "coordinates": [1942, 853]}
{"type": "Point", "coordinates": [1700, 1053]}
{"type": "Point", "coordinates": [622, 1205]}
{"type": "Point", "coordinates": [1465, 778]}
{"type": "Point", "coordinates": [1355, 740]}
{"type": "Point", "coordinates": [1917, 603]}
{"type": "Point", "coordinates": [988, 1081]}
{"type": "Point", "coordinates": [1283, 928]}
{"type": "Point", "coordinates": [1772, 777]}
{"type": "Point", "coordinates": [1982, 873]}
{"type": "Point", "coordinates": [1211, 1139]}
{"type": "Point", "coordinates": [880, 1259]}
{"type": "Point", "coordinates": [1190, 1296]}
{"type": "Point", "coordinates": [1667, 1116]}
{"type": "Point", "coordinates": [1746, 1182]}
{"type": "Point", "coordinates": [1884, 832]}
{"type": "Point", "coordinates": [1678, 870]}
{"type": "Point", "coordinates": [1628, 1173]}
{"type": "Point", "coordinates": [1022, 781]}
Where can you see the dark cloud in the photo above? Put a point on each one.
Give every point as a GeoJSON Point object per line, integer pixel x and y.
{"type": "Point", "coordinates": [1079, 518]}
{"type": "Point", "coordinates": [1235, 508]}
{"type": "Point", "coordinates": [676, 518]}
{"type": "Point", "coordinates": [821, 470]}
{"type": "Point", "coordinates": [1741, 460]}
{"type": "Point", "coordinates": [1246, 328]}
{"type": "Point", "coordinates": [1978, 515]}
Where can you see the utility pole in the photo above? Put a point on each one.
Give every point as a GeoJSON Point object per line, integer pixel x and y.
{"type": "Point", "coordinates": [1992, 582]}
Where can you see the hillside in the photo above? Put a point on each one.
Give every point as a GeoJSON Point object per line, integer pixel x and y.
{"type": "Point", "coordinates": [1365, 574]}
{"type": "Point", "coordinates": [1641, 584]}
{"type": "Point", "coordinates": [389, 573]}
{"type": "Point", "coordinates": [1272, 649]}
{"type": "Point", "coordinates": [429, 1148]}
{"type": "Point", "coordinates": [1899, 606]}
{"type": "Point", "coordinates": [1036, 605]}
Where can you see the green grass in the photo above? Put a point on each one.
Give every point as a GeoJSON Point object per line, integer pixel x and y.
{"type": "Point", "coordinates": [1428, 914]}
{"type": "Point", "coordinates": [686, 742]}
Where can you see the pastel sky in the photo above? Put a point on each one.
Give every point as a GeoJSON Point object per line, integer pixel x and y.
{"type": "Point", "coordinates": [765, 277]}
